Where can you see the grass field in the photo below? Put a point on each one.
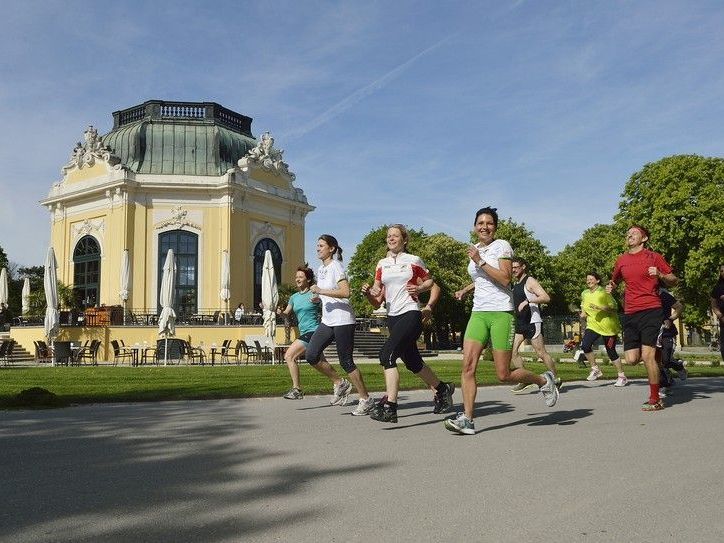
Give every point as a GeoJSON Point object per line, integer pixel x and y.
{"type": "Point", "coordinates": [100, 384]}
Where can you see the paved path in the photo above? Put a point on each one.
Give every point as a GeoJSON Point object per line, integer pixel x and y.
{"type": "Point", "coordinates": [594, 468]}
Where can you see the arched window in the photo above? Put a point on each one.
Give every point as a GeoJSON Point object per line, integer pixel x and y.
{"type": "Point", "coordinates": [86, 272]}
{"type": "Point", "coordinates": [259, 250]}
{"type": "Point", "coordinates": [185, 247]}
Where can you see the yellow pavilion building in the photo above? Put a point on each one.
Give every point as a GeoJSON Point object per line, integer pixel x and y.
{"type": "Point", "coordinates": [187, 176]}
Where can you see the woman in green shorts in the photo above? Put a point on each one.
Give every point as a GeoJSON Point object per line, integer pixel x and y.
{"type": "Point", "coordinates": [491, 321]}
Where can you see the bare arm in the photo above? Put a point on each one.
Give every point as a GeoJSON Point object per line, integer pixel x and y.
{"type": "Point", "coordinates": [342, 290]}
{"type": "Point", "coordinates": [460, 294]}
{"type": "Point", "coordinates": [375, 294]}
{"type": "Point", "coordinates": [539, 293]}
{"type": "Point", "coordinates": [434, 297]}
{"type": "Point", "coordinates": [287, 311]}
{"type": "Point", "coordinates": [668, 279]}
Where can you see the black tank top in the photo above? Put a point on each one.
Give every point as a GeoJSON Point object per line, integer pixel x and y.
{"type": "Point", "coordinates": [523, 317]}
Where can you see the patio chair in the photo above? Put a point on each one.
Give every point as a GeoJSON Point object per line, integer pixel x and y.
{"type": "Point", "coordinates": [62, 353]}
{"type": "Point", "coordinates": [249, 353]}
{"type": "Point", "coordinates": [121, 353]}
{"type": "Point", "coordinates": [175, 350]}
{"type": "Point", "coordinates": [224, 351]}
{"type": "Point", "coordinates": [43, 353]}
{"type": "Point", "coordinates": [89, 353]}
{"type": "Point", "coordinates": [236, 353]}
{"type": "Point", "coordinates": [193, 354]}
{"type": "Point", "coordinates": [264, 354]}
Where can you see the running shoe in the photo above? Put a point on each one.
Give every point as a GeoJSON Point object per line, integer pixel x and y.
{"type": "Point", "coordinates": [647, 406]}
{"type": "Point", "coordinates": [549, 390]}
{"type": "Point", "coordinates": [622, 381]}
{"type": "Point", "coordinates": [383, 413]}
{"type": "Point", "coordinates": [683, 374]}
{"type": "Point", "coordinates": [444, 402]}
{"type": "Point", "coordinates": [663, 392]}
{"type": "Point", "coordinates": [364, 407]}
{"type": "Point", "coordinates": [559, 383]}
{"type": "Point", "coordinates": [294, 394]}
{"type": "Point", "coordinates": [460, 424]}
{"type": "Point", "coordinates": [341, 393]}
{"type": "Point", "coordinates": [524, 388]}
{"type": "Point", "coordinates": [595, 374]}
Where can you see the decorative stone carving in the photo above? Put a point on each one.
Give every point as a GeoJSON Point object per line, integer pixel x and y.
{"type": "Point", "coordinates": [266, 157]}
{"type": "Point", "coordinates": [261, 230]}
{"type": "Point", "coordinates": [178, 219]}
{"type": "Point", "coordinates": [87, 227]}
{"type": "Point", "coordinates": [92, 149]}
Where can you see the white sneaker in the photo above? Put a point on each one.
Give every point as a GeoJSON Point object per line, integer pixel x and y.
{"type": "Point", "coordinates": [595, 374]}
{"type": "Point", "coordinates": [549, 390]}
{"type": "Point", "coordinates": [622, 381]}
{"type": "Point", "coordinates": [341, 392]}
{"type": "Point", "coordinates": [363, 407]}
{"type": "Point", "coordinates": [662, 393]}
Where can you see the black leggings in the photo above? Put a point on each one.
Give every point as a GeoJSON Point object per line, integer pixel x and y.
{"type": "Point", "coordinates": [668, 346]}
{"type": "Point", "coordinates": [324, 335]}
{"type": "Point", "coordinates": [589, 338]}
{"type": "Point", "coordinates": [402, 343]}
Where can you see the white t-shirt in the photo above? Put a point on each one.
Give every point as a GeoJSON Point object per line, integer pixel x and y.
{"type": "Point", "coordinates": [395, 273]}
{"type": "Point", "coordinates": [335, 311]}
{"type": "Point", "coordinates": [489, 295]}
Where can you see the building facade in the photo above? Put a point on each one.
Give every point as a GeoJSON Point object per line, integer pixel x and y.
{"type": "Point", "coordinates": [187, 176]}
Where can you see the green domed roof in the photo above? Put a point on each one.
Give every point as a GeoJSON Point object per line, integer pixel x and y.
{"type": "Point", "coordinates": [183, 138]}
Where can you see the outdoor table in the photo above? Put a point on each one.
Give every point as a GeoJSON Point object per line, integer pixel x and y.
{"type": "Point", "coordinates": [135, 354]}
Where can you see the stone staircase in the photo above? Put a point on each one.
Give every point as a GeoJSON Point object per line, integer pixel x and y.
{"type": "Point", "coordinates": [20, 355]}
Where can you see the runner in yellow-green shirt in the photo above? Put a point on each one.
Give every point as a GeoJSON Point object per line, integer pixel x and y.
{"type": "Point", "coordinates": [599, 309]}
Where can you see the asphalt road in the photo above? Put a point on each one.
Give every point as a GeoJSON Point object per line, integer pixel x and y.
{"type": "Point", "coordinates": [593, 468]}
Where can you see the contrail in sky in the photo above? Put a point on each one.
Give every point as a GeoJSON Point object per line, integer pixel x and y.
{"type": "Point", "coordinates": [361, 94]}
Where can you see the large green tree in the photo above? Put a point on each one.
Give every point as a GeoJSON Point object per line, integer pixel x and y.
{"type": "Point", "coordinates": [595, 251]}
{"type": "Point", "coordinates": [540, 261]}
{"type": "Point", "coordinates": [680, 200]}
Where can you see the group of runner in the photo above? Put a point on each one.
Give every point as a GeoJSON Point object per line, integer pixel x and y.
{"type": "Point", "coordinates": [503, 316]}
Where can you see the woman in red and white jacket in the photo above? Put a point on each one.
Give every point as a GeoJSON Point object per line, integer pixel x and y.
{"type": "Point", "coordinates": [399, 279]}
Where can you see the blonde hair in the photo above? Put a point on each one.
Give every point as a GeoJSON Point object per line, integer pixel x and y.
{"type": "Point", "coordinates": [403, 232]}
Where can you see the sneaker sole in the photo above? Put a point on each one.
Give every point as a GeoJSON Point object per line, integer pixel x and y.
{"type": "Point", "coordinates": [525, 390]}
{"type": "Point", "coordinates": [463, 431]}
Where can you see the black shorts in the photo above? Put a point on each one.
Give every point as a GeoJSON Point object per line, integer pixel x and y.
{"type": "Point", "coordinates": [304, 338]}
{"type": "Point", "coordinates": [528, 330]}
{"type": "Point", "coordinates": [642, 328]}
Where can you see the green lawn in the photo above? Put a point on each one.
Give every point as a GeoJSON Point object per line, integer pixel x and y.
{"type": "Point", "coordinates": [124, 384]}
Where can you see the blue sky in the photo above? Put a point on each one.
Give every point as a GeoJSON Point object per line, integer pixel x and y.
{"type": "Point", "coordinates": [411, 112]}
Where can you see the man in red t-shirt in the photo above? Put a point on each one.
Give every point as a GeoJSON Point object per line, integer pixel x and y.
{"type": "Point", "coordinates": [642, 269]}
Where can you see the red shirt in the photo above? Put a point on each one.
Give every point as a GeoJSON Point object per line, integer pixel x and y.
{"type": "Point", "coordinates": [642, 289]}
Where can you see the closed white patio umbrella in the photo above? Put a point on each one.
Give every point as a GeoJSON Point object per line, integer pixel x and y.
{"type": "Point", "coordinates": [167, 318]}
{"type": "Point", "coordinates": [25, 296]}
{"type": "Point", "coordinates": [3, 288]}
{"type": "Point", "coordinates": [224, 292]}
{"type": "Point", "coordinates": [125, 280]}
{"type": "Point", "coordinates": [269, 296]}
{"type": "Point", "coordinates": [50, 284]}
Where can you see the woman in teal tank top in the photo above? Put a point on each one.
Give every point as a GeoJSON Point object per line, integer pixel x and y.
{"type": "Point", "coordinates": [307, 309]}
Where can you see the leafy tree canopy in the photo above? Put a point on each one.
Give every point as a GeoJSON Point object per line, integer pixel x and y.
{"type": "Point", "coordinates": [679, 199]}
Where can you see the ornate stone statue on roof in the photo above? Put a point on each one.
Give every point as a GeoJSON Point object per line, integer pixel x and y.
{"type": "Point", "coordinates": [92, 149]}
{"type": "Point", "coordinates": [267, 157]}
